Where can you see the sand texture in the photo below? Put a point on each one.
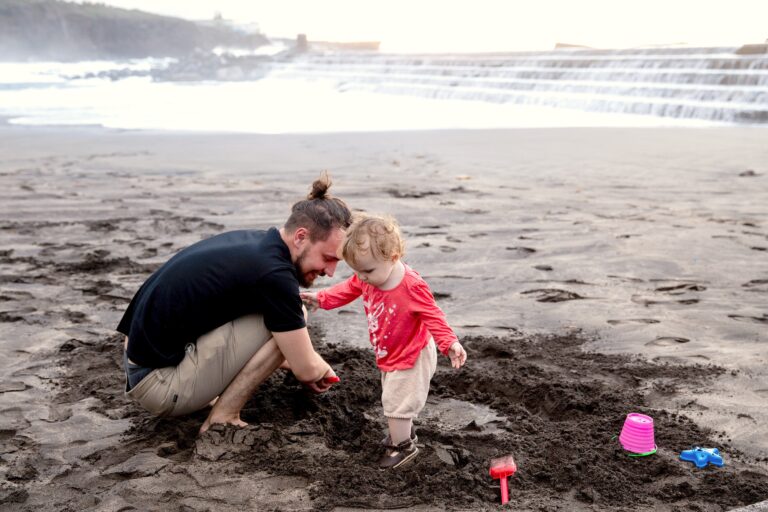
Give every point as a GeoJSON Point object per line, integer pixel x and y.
{"type": "Point", "coordinates": [590, 273]}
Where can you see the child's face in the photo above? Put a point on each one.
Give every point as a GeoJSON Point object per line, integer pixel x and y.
{"type": "Point", "coordinates": [373, 271]}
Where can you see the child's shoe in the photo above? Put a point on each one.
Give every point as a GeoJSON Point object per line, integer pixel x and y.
{"type": "Point", "coordinates": [396, 456]}
{"type": "Point", "coordinates": [387, 441]}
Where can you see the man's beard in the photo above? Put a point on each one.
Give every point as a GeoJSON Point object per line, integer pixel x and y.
{"type": "Point", "coordinates": [304, 281]}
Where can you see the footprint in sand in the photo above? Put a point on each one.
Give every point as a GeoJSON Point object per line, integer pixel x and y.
{"type": "Point", "coordinates": [666, 341]}
{"type": "Point", "coordinates": [505, 328]}
{"type": "Point", "coordinates": [543, 268]}
{"type": "Point", "coordinates": [11, 386]}
{"type": "Point", "coordinates": [58, 413]}
{"type": "Point", "coordinates": [522, 252]}
{"type": "Point", "coordinates": [634, 321]}
{"type": "Point", "coordinates": [428, 233]}
{"type": "Point", "coordinates": [755, 282]}
{"type": "Point", "coordinates": [637, 299]}
{"type": "Point", "coordinates": [100, 286]}
{"type": "Point", "coordinates": [11, 295]}
{"type": "Point", "coordinates": [103, 226]}
{"type": "Point", "coordinates": [415, 194]}
{"type": "Point", "coordinates": [626, 279]}
{"type": "Point", "coordinates": [5, 435]}
{"type": "Point", "coordinates": [681, 288]}
{"type": "Point", "coordinates": [464, 190]}
{"type": "Point", "coordinates": [12, 316]}
{"type": "Point", "coordinates": [756, 319]}
{"type": "Point", "coordinates": [552, 295]}
{"type": "Point", "coordinates": [149, 252]}
{"type": "Point", "coordinates": [76, 317]}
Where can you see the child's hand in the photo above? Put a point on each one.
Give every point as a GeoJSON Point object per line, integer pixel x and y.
{"type": "Point", "coordinates": [457, 354]}
{"type": "Point", "coordinates": [310, 299]}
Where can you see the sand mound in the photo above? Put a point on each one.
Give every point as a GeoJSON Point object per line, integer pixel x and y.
{"type": "Point", "coordinates": [556, 408]}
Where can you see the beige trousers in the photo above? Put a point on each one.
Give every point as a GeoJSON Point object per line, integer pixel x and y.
{"type": "Point", "coordinates": [206, 370]}
{"type": "Point", "coordinates": [404, 392]}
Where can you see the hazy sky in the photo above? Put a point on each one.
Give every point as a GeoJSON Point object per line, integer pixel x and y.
{"type": "Point", "coordinates": [478, 25]}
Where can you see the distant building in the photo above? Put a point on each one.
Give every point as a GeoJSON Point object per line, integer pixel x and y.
{"type": "Point", "coordinates": [301, 43]}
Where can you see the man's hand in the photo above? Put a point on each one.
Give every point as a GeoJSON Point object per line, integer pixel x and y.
{"type": "Point", "coordinates": [324, 384]}
{"type": "Point", "coordinates": [457, 354]}
{"type": "Point", "coordinates": [310, 299]}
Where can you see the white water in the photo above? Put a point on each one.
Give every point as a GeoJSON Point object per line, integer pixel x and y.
{"type": "Point", "coordinates": [354, 94]}
{"type": "Point", "coordinates": [713, 84]}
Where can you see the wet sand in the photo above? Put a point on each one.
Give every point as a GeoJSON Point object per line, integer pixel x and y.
{"type": "Point", "coordinates": [590, 273]}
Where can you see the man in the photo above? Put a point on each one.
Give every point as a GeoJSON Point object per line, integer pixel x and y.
{"type": "Point", "coordinates": [222, 315]}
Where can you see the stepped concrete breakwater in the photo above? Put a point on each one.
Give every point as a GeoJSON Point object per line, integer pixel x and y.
{"type": "Point", "coordinates": [713, 84]}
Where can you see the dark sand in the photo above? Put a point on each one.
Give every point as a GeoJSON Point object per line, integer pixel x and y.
{"type": "Point", "coordinates": [590, 273]}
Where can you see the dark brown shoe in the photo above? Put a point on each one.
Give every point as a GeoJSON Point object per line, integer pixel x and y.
{"type": "Point", "coordinates": [387, 441]}
{"type": "Point", "coordinates": [396, 456]}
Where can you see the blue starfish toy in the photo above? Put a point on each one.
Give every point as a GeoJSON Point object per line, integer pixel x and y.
{"type": "Point", "coordinates": [702, 456]}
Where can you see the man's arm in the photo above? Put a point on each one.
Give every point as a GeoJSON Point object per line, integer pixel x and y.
{"type": "Point", "coordinates": [305, 363]}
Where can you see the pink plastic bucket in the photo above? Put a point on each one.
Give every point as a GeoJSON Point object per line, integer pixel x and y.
{"type": "Point", "coordinates": [637, 434]}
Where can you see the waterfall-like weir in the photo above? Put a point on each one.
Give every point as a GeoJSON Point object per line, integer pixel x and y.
{"type": "Point", "coordinates": [714, 84]}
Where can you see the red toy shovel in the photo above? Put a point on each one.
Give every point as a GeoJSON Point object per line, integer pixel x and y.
{"type": "Point", "coordinates": [501, 468]}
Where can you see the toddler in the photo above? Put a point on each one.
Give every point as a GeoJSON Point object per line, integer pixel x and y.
{"type": "Point", "coordinates": [404, 324]}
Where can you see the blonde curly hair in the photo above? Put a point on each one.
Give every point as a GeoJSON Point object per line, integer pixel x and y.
{"type": "Point", "coordinates": [377, 235]}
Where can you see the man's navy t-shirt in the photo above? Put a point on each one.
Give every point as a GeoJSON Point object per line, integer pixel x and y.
{"type": "Point", "coordinates": [207, 285]}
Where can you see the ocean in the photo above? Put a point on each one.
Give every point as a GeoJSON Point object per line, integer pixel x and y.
{"type": "Point", "coordinates": [358, 92]}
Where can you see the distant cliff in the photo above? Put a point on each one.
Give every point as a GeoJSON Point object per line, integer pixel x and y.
{"type": "Point", "coordinates": [55, 30]}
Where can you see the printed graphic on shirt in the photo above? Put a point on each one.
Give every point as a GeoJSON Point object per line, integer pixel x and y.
{"type": "Point", "coordinates": [377, 325]}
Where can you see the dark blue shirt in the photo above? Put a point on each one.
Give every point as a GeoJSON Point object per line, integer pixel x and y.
{"type": "Point", "coordinates": [207, 285]}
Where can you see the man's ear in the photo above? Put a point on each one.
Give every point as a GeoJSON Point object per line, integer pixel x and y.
{"type": "Point", "coordinates": [300, 237]}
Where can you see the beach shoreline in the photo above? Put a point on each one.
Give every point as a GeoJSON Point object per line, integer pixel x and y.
{"type": "Point", "coordinates": [648, 241]}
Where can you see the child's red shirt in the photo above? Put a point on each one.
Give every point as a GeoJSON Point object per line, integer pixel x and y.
{"type": "Point", "coordinates": [400, 320]}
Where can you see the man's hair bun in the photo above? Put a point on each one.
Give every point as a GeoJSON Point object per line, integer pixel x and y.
{"type": "Point", "coordinates": [320, 187]}
{"type": "Point", "coordinates": [319, 212]}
